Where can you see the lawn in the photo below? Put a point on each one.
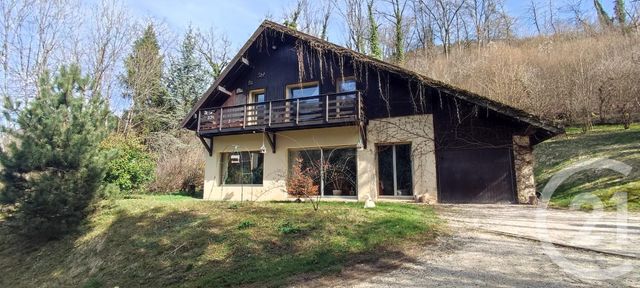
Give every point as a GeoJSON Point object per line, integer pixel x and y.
{"type": "Point", "coordinates": [155, 241]}
{"type": "Point", "coordinates": [606, 141]}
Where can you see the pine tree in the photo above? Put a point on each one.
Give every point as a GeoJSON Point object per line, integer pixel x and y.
{"type": "Point", "coordinates": [53, 168]}
{"type": "Point", "coordinates": [187, 77]}
{"type": "Point", "coordinates": [374, 42]}
{"type": "Point", "coordinates": [151, 106]}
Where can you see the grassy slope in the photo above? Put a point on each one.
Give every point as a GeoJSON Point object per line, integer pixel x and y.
{"type": "Point", "coordinates": [607, 141]}
{"type": "Point", "coordinates": [178, 241]}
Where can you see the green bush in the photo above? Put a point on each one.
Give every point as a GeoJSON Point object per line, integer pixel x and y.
{"type": "Point", "coordinates": [288, 228]}
{"type": "Point", "coordinates": [246, 224]}
{"type": "Point", "coordinates": [131, 166]}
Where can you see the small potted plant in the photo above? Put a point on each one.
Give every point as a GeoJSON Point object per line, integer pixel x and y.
{"type": "Point", "coordinates": [338, 183]}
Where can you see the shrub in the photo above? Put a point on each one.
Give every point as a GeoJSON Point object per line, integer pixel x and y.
{"type": "Point", "coordinates": [288, 228]}
{"type": "Point", "coordinates": [180, 163]}
{"type": "Point", "coordinates": [246, 224]}
{"type": "Point", "coordinates": [300, 183]}
{"type": "Point", "coordinates": [131, 166]}
{"type": "Point", "coordinates": [53, 168]}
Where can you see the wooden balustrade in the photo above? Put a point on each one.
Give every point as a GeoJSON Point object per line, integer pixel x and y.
{"type": "Point", "coordinates": [327, 109]}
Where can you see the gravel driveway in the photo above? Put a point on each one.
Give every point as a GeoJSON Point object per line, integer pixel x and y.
{"type": "Point", "coordinates": [496, 246]}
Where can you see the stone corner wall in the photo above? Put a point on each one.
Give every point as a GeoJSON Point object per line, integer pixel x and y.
{"type": "Point", "coordinates": [523, 166]}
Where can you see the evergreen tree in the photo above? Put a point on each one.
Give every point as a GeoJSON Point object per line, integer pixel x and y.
{"type": "Point", "coordinates": [621, 15]}
{"type": "Point", "coordinates": [374, 42]}
{"type": "Point", "coordinates": [603, 17]}
{"type": "Point", "coordinates": [187, 77]}
{"type": "Point", "coordinates": [143, 83]}
{"type": "Point", "coordinates": [53, 168]}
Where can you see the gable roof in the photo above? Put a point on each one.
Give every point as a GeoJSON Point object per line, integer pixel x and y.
{"type": "Point", "coordinates": [457, 92]}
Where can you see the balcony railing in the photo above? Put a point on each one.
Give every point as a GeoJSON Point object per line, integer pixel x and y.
{"type": "Point", "coordinates": [327, 109]}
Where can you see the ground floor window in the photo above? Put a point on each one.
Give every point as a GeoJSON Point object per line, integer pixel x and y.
{"type": "Point", "coordinates": [394, 170]}
{"type": "Point", "coordinates": [242, 167]}
{"type": "Point", "coordinates": [334, 170]}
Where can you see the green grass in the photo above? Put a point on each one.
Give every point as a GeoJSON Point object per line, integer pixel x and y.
{"type": "Point", "coordinates": [155, 241]}
{"type": "Point", "coordinates": [604, 141]}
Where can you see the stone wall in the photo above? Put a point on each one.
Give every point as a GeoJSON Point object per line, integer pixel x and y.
{"type": "Point", "coordinates": [523, 162]}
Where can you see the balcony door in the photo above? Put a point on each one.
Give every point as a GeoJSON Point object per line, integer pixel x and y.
{"type": "Point", "coordinates": [343, 101]}
{"type": "Point", "coordinates": [257, 109]}
{"type": "Point", "coordinates": [305, 109]}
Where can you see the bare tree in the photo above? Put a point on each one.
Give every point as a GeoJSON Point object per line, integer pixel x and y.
{"type": "Point", "coordinates": [354, 14]}
{"type": "Point", "coordinates": [109, 35]}
{"type": "Point", "coordinates": [444, 14]}
{"type": "Point", "coordinates": [578, 15]}
{"type": "Point", "coordinates": [424, 25]}
{"type": "Point", "coordinates": [215, 48]}
{"type": "Point", "coordinates": [36, 36]}
{"type": "Point", "coordinates": [534, 15]}
{"type": "Point", "coordinates": [489, 20]}
{"type": "Point", "coordinates": [397, 18]}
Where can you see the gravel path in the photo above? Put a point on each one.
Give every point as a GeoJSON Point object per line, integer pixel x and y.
{"type": "Point", "coordinates": [473, 256]}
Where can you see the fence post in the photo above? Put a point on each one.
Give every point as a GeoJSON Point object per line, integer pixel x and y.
{"type": "Point", "coordinates": [270, 113]}
{"type": "Point", "coordinates": [198, 129]}
{"type": "Point", "coordinates": [326, 108]}
{"type": "Point", "coordinates": [220, 124]}
{"type": "Point", "coordinates": [359, 106]}
{"type": "Point", "coordinates": [297, 110]}
{"type": "Point", "coordinates": [244, 116]}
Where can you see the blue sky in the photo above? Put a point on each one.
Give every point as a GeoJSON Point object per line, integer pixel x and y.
{"type": "Point", "coordinates": [239, 18]}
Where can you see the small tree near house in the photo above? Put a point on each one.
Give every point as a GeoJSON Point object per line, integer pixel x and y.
{"type": "Point", "coordinates": [300, 183]}
{"type": "Point", "coordinates": [53, 169]}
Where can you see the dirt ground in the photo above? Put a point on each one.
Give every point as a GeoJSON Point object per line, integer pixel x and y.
{"type": "Point", "coordinates": [499, 246]}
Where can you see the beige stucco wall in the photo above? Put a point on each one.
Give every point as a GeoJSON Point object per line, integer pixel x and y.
{"type": "Point", "coordinates": [417, 130]}
{"type": "Point", "coordinates": [412, 129]}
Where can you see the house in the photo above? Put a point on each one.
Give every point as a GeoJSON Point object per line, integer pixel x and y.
{"type": "Point", "coordinates": [363, 128]}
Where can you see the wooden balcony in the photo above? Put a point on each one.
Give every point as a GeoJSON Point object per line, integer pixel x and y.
{"type": "Point", "coordinates": [338, 109]}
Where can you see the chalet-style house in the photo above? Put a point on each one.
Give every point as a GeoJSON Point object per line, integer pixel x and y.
{"type": "Point", "coordinates": [363, 127]}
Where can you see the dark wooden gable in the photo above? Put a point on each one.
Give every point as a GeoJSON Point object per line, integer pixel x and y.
{"type": "Point", "coordinates": [279, 56]}
{"type": "Point", "coordinates": [274, 63]}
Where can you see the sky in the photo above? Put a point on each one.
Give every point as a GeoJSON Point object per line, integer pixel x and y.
{"type": "Point", "coordinates": [239, 18]}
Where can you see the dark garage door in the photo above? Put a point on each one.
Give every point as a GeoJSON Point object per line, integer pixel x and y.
{"type": "Point", "coordinates": [475, 176]}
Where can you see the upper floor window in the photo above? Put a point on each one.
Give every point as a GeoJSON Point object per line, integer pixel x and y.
{"type": "Point", "coordinates": [303, 90]}
{"type": "Point", "coordinates": [257, 96]}
{"type": "Point", "coordinates": [346, 85]}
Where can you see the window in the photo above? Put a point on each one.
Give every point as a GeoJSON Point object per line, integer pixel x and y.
{"type": "Point", "coordinates": [258, 112]}
{"type": "Point", "coordinates": [257, 96]}
{"type": "Point", "coordinates": [394, 170]}
{"type": "Point", "coordinates": [242, 167]}
{"type": "Point", "coordinates": [346, 85]}
{"type": "Point", "coordinates": [303, 90]}
{"type": "Point", "coordinates": [305, 109]}
{"type": "Point", "coordinates": [334, 170]}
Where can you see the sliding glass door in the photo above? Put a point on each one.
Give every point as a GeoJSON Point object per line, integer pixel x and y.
{"type": "Point", "coordinates": [334, 170]}
{"type": "Point", "coordinates": [394, 170]}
